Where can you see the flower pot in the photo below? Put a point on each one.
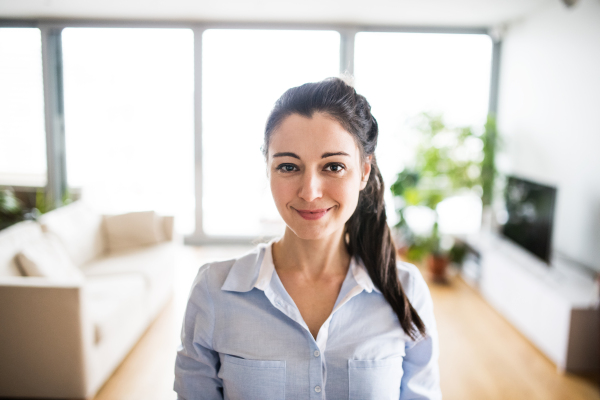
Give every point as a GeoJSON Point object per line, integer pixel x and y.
{"type": "Point", "coordinates": [437, 266]}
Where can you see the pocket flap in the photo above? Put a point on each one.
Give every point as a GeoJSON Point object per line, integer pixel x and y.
{"type": "Point", "coordinates": [254, 363]}
{"type": "Point", "coordinates": [252, 379]}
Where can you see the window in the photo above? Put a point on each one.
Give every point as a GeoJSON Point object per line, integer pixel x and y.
{"type": "Point", "coordinates": [243, 73]}
{"type": "Point", "coordinates": [405, 74]}
{"type": "Point", "coordinates": [22, 131]}
{"type": "Point", "coordinates": [129, 122]}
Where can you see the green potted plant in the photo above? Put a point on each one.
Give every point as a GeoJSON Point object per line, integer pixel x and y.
{"type": "Point", "coordinates": [11, 210]}
{"type": "Point", "coordinates": [447, 161]}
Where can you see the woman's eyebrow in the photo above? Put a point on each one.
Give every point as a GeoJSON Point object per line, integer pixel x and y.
{"type": "Point", "coordinates": [339, 153]}
{"type": "Point", "coordinates": [287, 154]}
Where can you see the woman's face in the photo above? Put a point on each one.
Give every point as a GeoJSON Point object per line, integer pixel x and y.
{"type": "Point", "coordinates": [316, 174]}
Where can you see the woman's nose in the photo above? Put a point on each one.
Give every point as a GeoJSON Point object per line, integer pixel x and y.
{"type": "Point", "coordinates": [310, 188]}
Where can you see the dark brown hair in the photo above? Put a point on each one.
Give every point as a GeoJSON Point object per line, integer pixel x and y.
{"type": "Point", "coordinates": [368, 233]}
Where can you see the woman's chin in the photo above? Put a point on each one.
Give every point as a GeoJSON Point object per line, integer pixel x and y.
{"type": "Point", "coordinates": [312, 232]}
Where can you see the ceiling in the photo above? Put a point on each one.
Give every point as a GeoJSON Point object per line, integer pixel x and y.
{"type": "Point", "coordinates": [462, 13]}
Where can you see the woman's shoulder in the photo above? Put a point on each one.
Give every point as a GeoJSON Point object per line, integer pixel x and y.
{"type": "Point", "coordinates": [407, 268]}
{"type": "Point", "coordinates": [215, 273]}
{"type": "Point", "coordinates": [411, 279]}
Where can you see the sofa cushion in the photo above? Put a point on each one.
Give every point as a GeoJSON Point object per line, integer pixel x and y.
{"type": "Point", "coordinates": [132, 230]}
{"type": "Point", "coordinates": [113, 300]}
{"type": "Point", "coordinates": [153, 263]}
{"type": "Point", "coordinates": [45, 256]}
{"type": "Point", "coordinates": [79, 230]}
{"type": "Point", "coordinates": [12, 240]}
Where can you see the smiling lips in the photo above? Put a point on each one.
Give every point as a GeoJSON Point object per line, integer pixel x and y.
{"type": "Point", "coordinates": [313, 214]}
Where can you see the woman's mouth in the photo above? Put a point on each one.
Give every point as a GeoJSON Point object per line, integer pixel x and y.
{"type": "Point", "coordinates": [313, 214]}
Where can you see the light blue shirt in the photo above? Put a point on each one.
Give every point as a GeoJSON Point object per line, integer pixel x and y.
{"type": "Point", "coordinates": [244, 338]}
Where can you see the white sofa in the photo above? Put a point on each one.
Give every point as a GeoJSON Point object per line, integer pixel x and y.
{"type": "Point", "coordinates": [63, 334]}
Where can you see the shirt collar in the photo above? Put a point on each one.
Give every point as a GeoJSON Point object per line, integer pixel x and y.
{"type": "Point", "coordinates": [361, 276]}
{"type": "Point", "coordinates": [267, 267]}
{"type": "Point", "coordinates": [255, 270]}
{"type": "Point", "coordinates": [245, 270]}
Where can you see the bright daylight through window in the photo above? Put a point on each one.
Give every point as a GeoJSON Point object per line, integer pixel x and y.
{"type": "Point", "coordinates": [243, 73]}
{"type": "Point", "coordinates": [22, 131]}
{"type": "Point", "coordinates": [406, 74]}
{"type": "Point", "coordinates": [129, 111]}
{"type": "Point", "coordinates": [129, 121]}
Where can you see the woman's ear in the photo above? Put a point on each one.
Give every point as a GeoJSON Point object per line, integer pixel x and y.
{"type": "Point", "coordinates": [366, 171]}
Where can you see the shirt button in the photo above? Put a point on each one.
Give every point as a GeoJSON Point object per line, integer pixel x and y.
{"type": "Point", "coordinates": [318, 389]}
{"type": "Point", "coordinates": [317, 353]}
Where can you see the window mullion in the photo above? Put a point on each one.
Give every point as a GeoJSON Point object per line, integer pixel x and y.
{"type": "Point", "coordinates": [198, 234]}
{"type": "Point", "coordinates": [347, 50]}
{"type": "Point", "coordinates": [54, 114]}
{"type": "Point", "coordinates": [495, 76]}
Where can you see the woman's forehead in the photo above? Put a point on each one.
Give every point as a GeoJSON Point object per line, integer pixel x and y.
{"type": "Point", "coordinates": [311, 136]}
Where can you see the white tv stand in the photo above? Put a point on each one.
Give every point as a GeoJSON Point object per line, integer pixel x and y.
{"type": "Point", "coordinates": [555, 307]}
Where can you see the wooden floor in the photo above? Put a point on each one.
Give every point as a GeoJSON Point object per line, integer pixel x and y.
{"type": "Point", "coordinates": [482, 357]}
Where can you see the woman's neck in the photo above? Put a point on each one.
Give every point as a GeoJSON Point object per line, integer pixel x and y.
{"type": "Point", "coordinates": [312, 258]}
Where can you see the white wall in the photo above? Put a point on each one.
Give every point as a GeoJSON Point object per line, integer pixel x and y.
{"type": "Point", "coordinates": [549, 116]}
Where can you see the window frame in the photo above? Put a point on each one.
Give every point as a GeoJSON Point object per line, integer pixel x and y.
{"type": "Point", "coordinates": [51, 30]}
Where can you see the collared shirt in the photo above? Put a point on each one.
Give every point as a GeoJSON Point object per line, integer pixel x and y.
{"type": "Point", "coordinates": [244, 338]}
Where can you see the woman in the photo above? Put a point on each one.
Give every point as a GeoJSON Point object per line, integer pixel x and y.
{"type": "Point", "coordinates": [324, 311]}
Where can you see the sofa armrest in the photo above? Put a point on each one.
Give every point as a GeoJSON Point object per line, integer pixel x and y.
{"type": "Point", "coordinates": [42, 338]}
{"type": "Point", "coordinates": [168, 224]}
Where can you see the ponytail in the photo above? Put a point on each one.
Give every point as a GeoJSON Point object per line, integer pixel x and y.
{"type": "Point", "coordinates": [368, 234]}
{"type": "Point", "coordinates": [369, 238]}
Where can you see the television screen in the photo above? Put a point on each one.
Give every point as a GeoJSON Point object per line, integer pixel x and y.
{"type": "Point", "coordinates": [530, 209]}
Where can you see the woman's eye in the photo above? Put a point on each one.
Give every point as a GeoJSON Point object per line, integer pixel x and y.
{"type": "Point", "coordinates": [335, 167]}
{"type": "Point", "coordinates": [286, 168]}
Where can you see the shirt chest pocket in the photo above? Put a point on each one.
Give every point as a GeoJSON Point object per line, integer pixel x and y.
{"type": "Point", "coordinates": [252, 379]}
{"type": "Point", "coordinates": [374, 379]}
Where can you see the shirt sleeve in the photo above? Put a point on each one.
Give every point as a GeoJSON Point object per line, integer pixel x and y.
{"type": "Point", "coordinates": [421, 379]}
{"type": "Point", "coordinates": [197, 364]}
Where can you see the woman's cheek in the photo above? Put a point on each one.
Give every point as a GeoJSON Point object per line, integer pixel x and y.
{"type": "Point", "coordinates": [282, 191]}
{"type": "Point", "coordinates": [346, 194]}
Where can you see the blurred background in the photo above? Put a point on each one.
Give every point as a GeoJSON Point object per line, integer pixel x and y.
{"type": "Point", "coordinates": [488, 144]}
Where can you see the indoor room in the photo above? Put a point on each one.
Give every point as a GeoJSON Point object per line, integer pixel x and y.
{"type": "Point", "coordinates": [145, 148]}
